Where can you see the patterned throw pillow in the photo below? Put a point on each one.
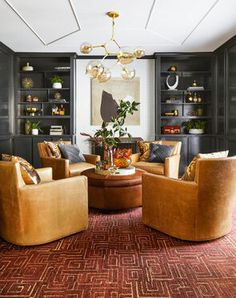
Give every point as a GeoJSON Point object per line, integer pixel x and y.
{"type": "Point", "coordinates": [53, 149]}
{"type": "Point", "coordinates": [144, 149]}
{"type": "Point", "coordinates": [71, 152]}
{"type": "Point", "coordinates": [28, 172]}
{"type": "Point", "coordinates": [190, 171]}
{"type": "Point", "coordinates": [158, 153]}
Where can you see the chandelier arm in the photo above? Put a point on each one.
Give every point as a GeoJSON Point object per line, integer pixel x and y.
{"type": "Point", "coordinates": [98, 46]}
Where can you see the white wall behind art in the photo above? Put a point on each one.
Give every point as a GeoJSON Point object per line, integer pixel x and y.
{"type": "Point", "coordinates": [145, 71]}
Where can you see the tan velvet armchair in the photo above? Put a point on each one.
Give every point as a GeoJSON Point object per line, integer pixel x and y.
{"type": "Point", "coordinates": [198, 210]}
{"type": "Point", "coordinates": [169, 169]}
{"type": "Point", "coordinates": [37, 214]}
{"type": "Point", "coordinates": [61, 167]}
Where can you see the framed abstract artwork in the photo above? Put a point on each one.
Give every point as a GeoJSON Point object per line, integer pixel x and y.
{"type": "Point", "coordinates": [105, 99]}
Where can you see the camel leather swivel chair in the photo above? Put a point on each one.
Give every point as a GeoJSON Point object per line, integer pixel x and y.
{"type": "Point", "coordinates": [170, 168]}
{"type": "Point", "coordinates": [192, 210]}
{"type": "Point", "coordinates": [61, 166]}
{"type": "Point", "coordinates": [36, 214]}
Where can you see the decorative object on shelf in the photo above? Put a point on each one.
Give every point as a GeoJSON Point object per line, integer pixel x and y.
{"type": "Point", "coordinates": [57, 95]}
{"type": "Point", "coordinates": [171, 129]}
{"type": "Point", "coordinates": [173, 100]}
{"type": "Point", "coordinates": [62, 67]}
{"type": "Point", "coordinates": [195, 98]}
{"type": "Point", "coordinates": [199, 111]}
{"type": "Point", "coordinates": [195, 87]}
{"type": "Point", "coordinates": [109, 137]}
{"type": "Point", "coordinates": [31, 111]}
{"type": "Point", "coordinates": [58, 111]}
{"type": "Point", "coordinates": [28, 98]}
{"type": "Point", "coordinates": [122, 157]}
{"type": "Point", "coordinates": [27, 127]}
{"type": "Point", "coordinates": [35, 99]}
{"type": "Point", "coordinates": [27, 83]}
{"type": "Point", "coordinates": [199, 99]}
{"type": "Point", "coordinates": [172, 68]}
{"type": "Point", "coordinates": [35, 128]}
{"type": "Point", "coordinates": [57, 82]}
{"type": "Point", "coordinates": [173, 113]}
{"type": "Point", "coordinates": [56, 130]}
{"type": "Point", "coordinates": [27, 67]}
{"type": "Point", "coordinates": [172, 81]}
{"type": "Point", "coordinates": [124, 56]}
{"type": "Point", "coordinates": [195, 126]}
{"type": "Point", "coordinates": [189, 97]}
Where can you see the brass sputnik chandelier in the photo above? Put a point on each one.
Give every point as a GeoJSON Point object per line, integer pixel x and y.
{"type": "Point", "coordinates": [96, 69]}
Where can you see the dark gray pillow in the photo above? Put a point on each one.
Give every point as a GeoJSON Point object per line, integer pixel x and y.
{"type": "Point", "coordinates": [158, 152]}
{"type": "Point", "coordinates": [71, 152]}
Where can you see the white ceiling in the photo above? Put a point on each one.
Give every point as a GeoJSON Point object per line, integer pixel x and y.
{"type": "Point", "coordinates": [156, 25]}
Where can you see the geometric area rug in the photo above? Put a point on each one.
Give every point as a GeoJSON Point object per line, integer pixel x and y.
{"type": "Point", "coordinates": [119, 257]}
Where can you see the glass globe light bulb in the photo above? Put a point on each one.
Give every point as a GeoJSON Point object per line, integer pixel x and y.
{"type": "Point", "coordinates": [104, 76]}
{"type": "Point", "coordinates": [127, 74]}
{"type": "Point", "coordinates": [125, 56]}
{"type": "Point", "coordinates": [94, 68]}
{"type": "Point", "coordinates": [139, 52]}
{"type": "Point", "coordinates": [86, 48]}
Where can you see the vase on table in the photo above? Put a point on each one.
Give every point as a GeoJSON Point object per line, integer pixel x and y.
{"type": "Point", "coordinates": [108, 158]}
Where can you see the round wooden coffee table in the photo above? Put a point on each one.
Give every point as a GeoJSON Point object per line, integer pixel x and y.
{"type": "Point", "coordinates": [114, 191]}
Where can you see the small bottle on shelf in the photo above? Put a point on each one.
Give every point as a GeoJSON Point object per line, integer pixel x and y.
{"type": "Point", "coordinates": [62, 110]}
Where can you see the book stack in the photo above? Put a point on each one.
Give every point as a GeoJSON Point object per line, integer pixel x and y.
{"type": "Point", "coordinates": [56, 130]}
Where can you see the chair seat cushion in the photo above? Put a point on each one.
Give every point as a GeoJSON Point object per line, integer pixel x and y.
{"type": "Point", "coordinates": [76, 168]}
{"type": "Point", "coordinates": [150, 167]}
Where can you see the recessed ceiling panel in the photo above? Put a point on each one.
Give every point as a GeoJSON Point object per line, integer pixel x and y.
{"type": "Point", "coordinates": [49, 20]}
{"type": "Point", "coordinates": [176, 20]}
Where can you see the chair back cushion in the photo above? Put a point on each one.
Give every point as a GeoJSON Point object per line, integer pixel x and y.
{"type": "Point", "coordinates": [190, 171]}
{"type": "Point", "coordinates": [46, 151]}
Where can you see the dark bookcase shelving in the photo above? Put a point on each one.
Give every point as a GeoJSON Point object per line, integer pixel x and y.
{"type": "Point", "coordinates": [45, 66]}
{"type": "Point", "coordinates": [190, 67]}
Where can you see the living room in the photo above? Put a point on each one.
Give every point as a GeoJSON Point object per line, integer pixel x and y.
{"type": "Point", "coordinates": [121, 118]}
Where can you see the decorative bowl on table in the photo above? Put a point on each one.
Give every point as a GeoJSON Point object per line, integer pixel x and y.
{"type": "Point", "coordinates": [122, 158]}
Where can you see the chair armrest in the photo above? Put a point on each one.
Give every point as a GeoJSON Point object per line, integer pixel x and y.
{"type": "Point", "coordinates": [171, 166]}
{"type": "Point", "coordinates": [45, 174]}
{"type": "Point", "coordinates": [168, 202]}
{"type": "Point", "coordinates": [60, 166]}
{"type": "Point", "coordinates": [92, 158]}
{"type": "Point", "coordinates": [135, 157]}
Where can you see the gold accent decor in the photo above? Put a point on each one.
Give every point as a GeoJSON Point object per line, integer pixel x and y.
{"type": "Point", "coordinates": [125, 56]}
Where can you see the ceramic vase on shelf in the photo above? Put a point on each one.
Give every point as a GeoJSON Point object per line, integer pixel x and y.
{"type": "Point", "coordinates": [35, 131]}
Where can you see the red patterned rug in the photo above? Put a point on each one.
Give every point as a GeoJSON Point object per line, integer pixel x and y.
{"type": "Point", "coordinates": [120, 257]}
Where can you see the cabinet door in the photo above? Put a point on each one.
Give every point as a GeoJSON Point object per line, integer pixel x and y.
{"type": "Point", "coordinates": [220, 93]}
{"type": "Point", "coordinates": [5, 91]}
{"type": "Point", "coordinates": [6, 145]}
{"type": "Point", "coordinates": [201, 144]}
{"type": "Point", "coordinates": [231, 91]}
{"type": "Point", "coordinates": [231, 146]}
{"type": "Point", "coordinates": [23, 148]}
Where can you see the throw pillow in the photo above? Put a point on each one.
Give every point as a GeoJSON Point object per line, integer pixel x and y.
{"type": "Point", "coordinates": [158, 153]}
{"type": "Point", "coordinates": [28, 172]}
{"type": "Point", "coordinates": [190, 171]}
{"type": "Point", "coordinates": [53, 149]}
{"type": "Point", "coordinates": [71, 152]}
{"type": "Point", "coordinates": [144, 149]}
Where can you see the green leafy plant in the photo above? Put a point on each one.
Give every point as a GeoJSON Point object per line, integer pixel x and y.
{"type": "Point", "coordinates": [109, 134]}
{"type": "Point", "coordinates": [36, 125]}
{"type": "Point", "coordinates": [57, 79]}
{"type": "Point", "coordinates": [195, 124]}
